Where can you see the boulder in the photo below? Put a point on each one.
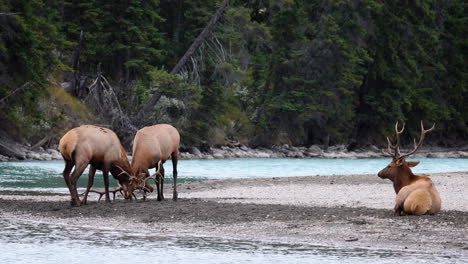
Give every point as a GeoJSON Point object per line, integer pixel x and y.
{"type": "Point", "coordinates": [195, 151]}
{"type": "Point", "coordinates": [218, 155]}
{"type": "Point", "coordinates": [11, 149]}
{"type": "Point", "coordinates": [3, 158]}
{"type": "Point", "coordinates": [314, 149]}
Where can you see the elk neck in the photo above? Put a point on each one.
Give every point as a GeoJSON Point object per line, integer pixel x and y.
{"type": "Point", "coordinates": [405, 177]}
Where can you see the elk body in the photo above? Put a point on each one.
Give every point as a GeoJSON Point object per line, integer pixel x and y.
{"type": "Point", "coordinates": [152, 146]}
{"type": "Point", "coordinates": [99, 147]}
{"type": "Point", "coordinates": [416, 195]}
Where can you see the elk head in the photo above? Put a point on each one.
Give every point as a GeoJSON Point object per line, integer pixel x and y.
{"type": "Point", "coordinates": [126, 182]}
{"type": "Point", "coordinates": [141, 182]}
{"type": "Point", "coordinates": [399, 166]}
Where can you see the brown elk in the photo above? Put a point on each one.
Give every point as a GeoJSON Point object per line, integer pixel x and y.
{"type": "Point", "coordinates": [99, 147]}
{"type": "Point", "coordinates": [152, 146]}
{"type": "Point", "coordinates": [416, 195]}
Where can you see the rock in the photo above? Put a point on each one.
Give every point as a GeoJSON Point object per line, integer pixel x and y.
{"type": "Point", "coordinates": [261, 154]}
{"type": "Point", "coordinates": [437, 155]}
{"type": "Point", "coordinates": [218, 155]}
{"type": "Point", "coordinates": [244, 148]}
{"type": "Point", "coordinates": [33, 156]}
{"type": "Point", "coordinates": [195, 151]}
{"type": "Point", "coordinates": [46, 156]}
{"type": "Point", "coordinates": [374, 148]}
{"type": "Point", "coordinates": [314, 149]}
{"type": "Point", "coordinates": [11, 149]}
{"type": "Point", "coordinates": [52, 151]}
{"type": "Point", "coordinates": [312, 154]}
{"type": "Point", "coordinates": [186, 155]}
{"type": "Point", "coordinates": [337, 148]}
{"type": "Point", "coordinates": [3, 158]}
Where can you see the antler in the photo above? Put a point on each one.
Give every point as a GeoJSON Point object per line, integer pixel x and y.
{"type": "Point", "coordinates": [123, 171]}
{"type": "Point", "coordinates": [421, 139]}
{"type": "Point", "coordinates": [114, 191]}
{"type": "Point", "coordinates": [396, 147]}
{"type": "Point", "coordinates": [158, 173]}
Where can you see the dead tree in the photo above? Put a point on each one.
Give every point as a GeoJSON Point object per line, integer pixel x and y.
{"type": "Point", "coordinates": [206, 33]}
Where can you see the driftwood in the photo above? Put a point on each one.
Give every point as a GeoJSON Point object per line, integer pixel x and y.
{"type": "Point", "coordinates": [11, 149]}
{"type": "Point", "coordinates": [104, 98]}
{"type": "Point", "coordinates": [42, 142]}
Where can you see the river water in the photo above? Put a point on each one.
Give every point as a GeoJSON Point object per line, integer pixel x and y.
{"type": "Point", "coordinates": [46, 175]}
{"type": "Point", "coordinates": [26, 241]}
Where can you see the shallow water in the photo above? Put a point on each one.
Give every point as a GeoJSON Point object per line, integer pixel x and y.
{"type": "Point", "coordinates": [46, 175]}
{"type": "Point", "coordinates": [24, 241]}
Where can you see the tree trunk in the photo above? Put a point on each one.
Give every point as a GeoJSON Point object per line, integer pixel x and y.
{"type": "Point", "coordinates": [199, 40]}
{"type": "Point", "coordinates": [191, 50]}
{"type": "Point", "coordinates": [76, 66]}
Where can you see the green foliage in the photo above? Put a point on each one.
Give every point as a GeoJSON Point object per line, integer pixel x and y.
{"type": "Point", "coordinates": [122, 35]}
{"type": "Point", "coordinates": [296, 72]}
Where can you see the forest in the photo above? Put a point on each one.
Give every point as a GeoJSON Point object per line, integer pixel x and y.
{"type": "Point", "coordinates": [259, 72]}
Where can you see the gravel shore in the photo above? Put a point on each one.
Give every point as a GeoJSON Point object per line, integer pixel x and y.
{"type": "Point", "coordinates": [343, 211]}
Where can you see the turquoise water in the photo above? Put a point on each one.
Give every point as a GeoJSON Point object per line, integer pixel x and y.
{"type": "Point", "coordinates": [25, 241]}
{"type": "Point", "coordinates": [46, 175]}
{"type": "Point", "coordinates": [34, 242]}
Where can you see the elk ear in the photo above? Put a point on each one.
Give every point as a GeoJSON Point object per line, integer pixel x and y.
{"type": "Point", "coordinates": [412, 163]}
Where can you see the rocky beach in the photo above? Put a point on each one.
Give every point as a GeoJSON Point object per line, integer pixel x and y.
{"type": "Point", "coordinates": [342, 211]}
{"type": "Point", "coordinates": [11, 151]}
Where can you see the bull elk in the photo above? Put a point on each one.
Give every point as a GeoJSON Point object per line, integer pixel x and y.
{"type": "Point", "coordinates": [152, 146]}
{"type": "Point", "coordinates": [99, 147]}
{"type": "Point", "coordinates": [416, 195]}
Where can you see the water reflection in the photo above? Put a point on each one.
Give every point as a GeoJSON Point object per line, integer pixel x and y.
{"type": "Point", "coordinates": [24, 241]}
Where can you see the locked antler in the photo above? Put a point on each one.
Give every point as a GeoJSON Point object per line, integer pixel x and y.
{"type": "Point", "coordinates": [102, 193]}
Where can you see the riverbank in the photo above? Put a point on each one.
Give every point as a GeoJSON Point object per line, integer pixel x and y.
{"type": "Point", "coordinates": [14, 152]}
{"type": "Point", "coordinates": [341, 211]}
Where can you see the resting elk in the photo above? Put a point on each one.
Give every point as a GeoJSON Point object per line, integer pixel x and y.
{"type": "Point", "coordinates": [416, 195]}
{"type": "Point", "coordinates": [99, 147]}
{"type": "Point", "coordinates": [152, 146]}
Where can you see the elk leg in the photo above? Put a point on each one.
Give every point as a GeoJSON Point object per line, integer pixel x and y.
{"type": "Point", "coordinates": [92, 171]}
{"type": "Point", "coordinates": [105, 173]}
{"type": "Point", "coordinates": [73, 180]}
{"type": "Point", "coordinates": [175, 157]}
{"type": "Point", "coordinates": [66, 172]}
{"type": "Point", "coordinates": [158, 190]}
{"type": "Point", "coordinates": [160, 182]}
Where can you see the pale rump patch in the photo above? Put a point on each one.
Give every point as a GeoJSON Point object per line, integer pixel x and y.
{"type": "Point", "coordinates": [419, 202]}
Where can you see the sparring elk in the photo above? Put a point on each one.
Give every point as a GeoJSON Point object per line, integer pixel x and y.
{"type": "Point", "coordinates": [152, 146]}
{"type": "Point", "coordinates": [99, 147]}
{"type": "Point", "coordinates": [416, 195]}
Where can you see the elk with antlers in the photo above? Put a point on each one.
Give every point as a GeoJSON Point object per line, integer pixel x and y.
{"type": "Point", "coordinates": [416, 195]}
{"type": "Point", "coordinates": [99, 147]}
{"type": "Point", "coordinates": [152, 146]}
